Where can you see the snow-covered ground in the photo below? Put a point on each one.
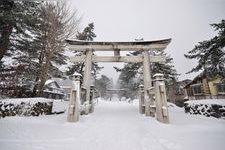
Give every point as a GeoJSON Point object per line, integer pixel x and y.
{"type": "Point", "coordinates": [113, 126]}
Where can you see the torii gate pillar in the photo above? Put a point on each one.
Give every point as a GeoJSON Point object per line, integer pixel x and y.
{"type": "Point", "coordinates": [147, 83]}
{"type": "Point", "coordinates": [87, 78]}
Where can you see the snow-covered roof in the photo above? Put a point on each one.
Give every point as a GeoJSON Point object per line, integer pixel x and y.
{"type": "Point", "coordinates": [64, 82]}
{"type": "Point", "coordinates": [49, 81]}
{"type": "Point", "coordinates": [158, 74]}
{"type": "Point", "coordinates": [77, 74]}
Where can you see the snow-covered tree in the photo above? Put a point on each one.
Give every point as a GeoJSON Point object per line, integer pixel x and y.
{"type": "Point", "coordinates": [102, 84]}
{"type": "Point", "coordinates": [210, 53]}
{"type": "Point", "coordinates": [87, 35]}
{"type": "Point", "coordinates": [39, 48]}
{"type": "Point", "coordinates": [131, 71]}
{"type": "Point", "coordinates": [56, 23]}
{"type": "Point", "coordinates": [17, 19]}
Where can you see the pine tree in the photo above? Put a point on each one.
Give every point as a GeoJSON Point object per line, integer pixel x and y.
{"type": "Point", "coordinates": [16, 21]}
{"type": "Point", "coordinates": [130, 73]}
{"type": "Point", "coordinates": [102, 84]}
{"type": "Point", "coordinates": [37, 40]}
{"type": "Point", "coordinates": [210, 53]}
{"type": "Point", "coordinates": [87, 35]}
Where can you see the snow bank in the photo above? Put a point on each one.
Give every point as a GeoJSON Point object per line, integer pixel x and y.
{"type": "Point", "coordinates": [60, 106]}
{"type": "Point", "coordinates": [25, 107]}
{"type": "Point", "coordinates": [207, 101]}
{"type": "Point", "coordinates": [114, 125]}
{"type": "Point", "coordinates": [207, 107]}
{"type": "Point", "coordinates": [26, 100]}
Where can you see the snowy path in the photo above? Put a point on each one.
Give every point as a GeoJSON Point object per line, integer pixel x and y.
{"type": "Point", "coordinates": [113, 126]}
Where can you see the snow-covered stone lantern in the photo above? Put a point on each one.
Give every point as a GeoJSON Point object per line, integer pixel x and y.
{"type": "Point", "coordinates": [141, 99]}
{"type": "Point", "coordinates": [92, 92]}
{"type": "Point", "coordinates": [160, 99]}
{"type": "Point", "coordinates": [76, 76]}
{"type": "Point", "coordinates": [74, 103]}
{"type": "Point", "coordinates": [92, 98]}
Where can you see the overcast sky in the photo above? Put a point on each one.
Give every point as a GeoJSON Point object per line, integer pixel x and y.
{"type": "Point", "coordinates": [185, 21]}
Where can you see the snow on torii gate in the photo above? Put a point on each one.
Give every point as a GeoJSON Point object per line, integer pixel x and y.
{"type": "Point", "coordinates": [144, 46]}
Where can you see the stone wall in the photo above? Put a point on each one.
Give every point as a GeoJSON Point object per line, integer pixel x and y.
{"type": "Point", "coordinates": [25, 107]}
{"type": "Point", "coordinates": [211, 109]}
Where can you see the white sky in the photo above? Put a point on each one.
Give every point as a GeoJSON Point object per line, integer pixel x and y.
{"type": "Point", "coordinates": [185, 21]}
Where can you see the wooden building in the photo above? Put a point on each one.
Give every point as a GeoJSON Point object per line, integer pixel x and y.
{"type": "Point", "coordinates": [202, 87]}
{"type": "Point", "coordinates": [53, 90]}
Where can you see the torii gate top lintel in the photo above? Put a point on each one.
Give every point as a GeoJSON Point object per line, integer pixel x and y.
{"type": "Point", "coordinates": [123, 46]}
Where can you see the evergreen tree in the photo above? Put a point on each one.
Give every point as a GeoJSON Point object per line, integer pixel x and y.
{"type": "Point", "coordinates": [87, 35]}
{"type": "Point", "coordinates": [102, 84]}
{"type": "Point", "coordinates": [130, 73]}
{"type": "Point", "coordinates": [16, 21]}
{"type": "Point", "coordinates": [210, 53]}
{"type": "Point", "coordinates": [37, 40]}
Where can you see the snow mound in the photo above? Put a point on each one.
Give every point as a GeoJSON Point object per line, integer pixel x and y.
{"type": "Point", "coordinates": [208, 107]}
{"type": "Point", "coordinates": [25, 107]}
{"type": "Point", "coordinates": [207, 101]}
{"type": "Point", "coordinates": [26, 100]}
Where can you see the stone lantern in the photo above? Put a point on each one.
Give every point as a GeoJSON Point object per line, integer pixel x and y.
{"type": "Point", "coordinates": [74, 102]}
{"type": "Point", "coordinates": [160, 99]}
{"type": "Point", "coordinates": [141, 99]}
{"type": "Point", "coordinates": [92, 96]}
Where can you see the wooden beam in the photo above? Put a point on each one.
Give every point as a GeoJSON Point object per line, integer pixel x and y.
{"type": "Point", "coordinates": [127, 59]}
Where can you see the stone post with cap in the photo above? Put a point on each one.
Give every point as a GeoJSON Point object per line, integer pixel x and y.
{"type": "Point", "coordinates": [162, 114]}
{"type": "Point", "coordinates": [74, 103]}
{"type": "Point", "coordinates": [141, 99]}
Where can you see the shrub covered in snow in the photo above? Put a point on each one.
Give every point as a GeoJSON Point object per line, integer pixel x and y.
{"type": "Point", "coordinates": [25, 107]}
{"type": "Point", "coordinates": [214, 108]}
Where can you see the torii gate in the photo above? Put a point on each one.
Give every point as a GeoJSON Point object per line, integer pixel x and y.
{"type": "Point", "coordinates": [144, 46]}
{"type": "Point", "coordinates": [112, 91]}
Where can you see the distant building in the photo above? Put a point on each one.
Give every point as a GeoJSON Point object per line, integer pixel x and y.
{"type": "Point", "coordinates": [205, 88]}
{"type": "Point", "coordinates": [66, 85]}
{"type": "Point", "coordinates": [53, 90]}
{"type": "Point", "coordinates": [176, 93]}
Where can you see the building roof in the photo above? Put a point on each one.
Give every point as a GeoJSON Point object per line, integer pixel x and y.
{"type": "Point", "coordinates": [49, 81]}
{"type": "Point", "coordinates": [197, 78]}
{"type": "Point", "coordinates": [64, 82]}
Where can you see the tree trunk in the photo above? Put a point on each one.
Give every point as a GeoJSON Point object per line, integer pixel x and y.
{"type": "Point", "coordinates": [43, 76]}
{"type": "Point", "coordinates": [4, 43]}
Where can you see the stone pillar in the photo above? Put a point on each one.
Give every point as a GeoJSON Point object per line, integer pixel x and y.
{"type": "Point", "coordinates": [162, 114]}
{"type": "Point", "coordinates": [141, 99]}
{"type": "Point", "coordinates": [92, 99]}
{"type": "Point", "coordinates": [110, 96]}
{"type": "Point", "coordinates": [87, 78]}
{"type": "Point", "coordinates": [74, 103]}
{"type": "Point", "coordinates": [147, 82]}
